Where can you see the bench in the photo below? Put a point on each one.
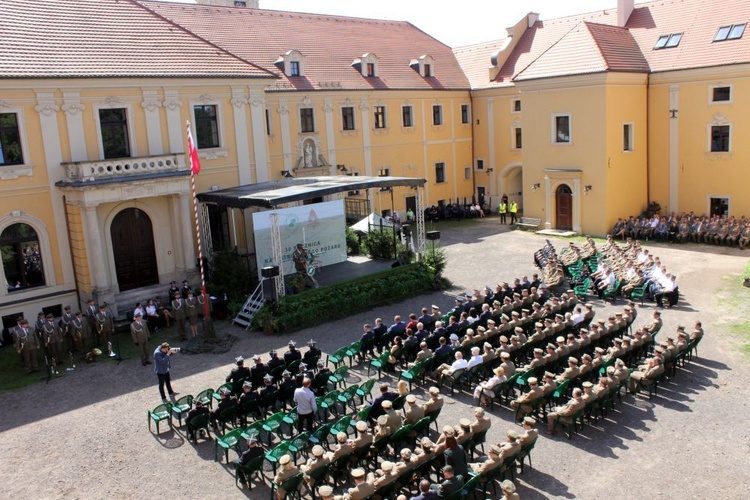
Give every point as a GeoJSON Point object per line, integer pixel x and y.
{"type": "Point", "coordinates": [529, 222]}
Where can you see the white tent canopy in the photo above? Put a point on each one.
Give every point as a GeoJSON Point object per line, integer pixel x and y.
{"type": "Point", "coordinates": [372, 220]}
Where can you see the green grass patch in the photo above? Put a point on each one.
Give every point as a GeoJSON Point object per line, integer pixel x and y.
{"type": "Point", "coordinates": [732, 302]}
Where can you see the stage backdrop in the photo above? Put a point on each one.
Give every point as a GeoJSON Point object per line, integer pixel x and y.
{"type": "Point", "coordinates": [321, 228]}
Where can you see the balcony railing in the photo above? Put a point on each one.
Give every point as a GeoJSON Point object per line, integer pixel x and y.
{"type": "Point", "coordinates": [120, 168]}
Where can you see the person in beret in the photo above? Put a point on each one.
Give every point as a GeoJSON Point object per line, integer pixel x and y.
{"type": "Point", "coordinates": [239, 372]}
{"type": "Point", "coordinates": [318, 459]}
{"type": "Point", "coordinates": [529, 434]}
{"type": "Point", "coordinates": [287, 469]}
{"type": "Point", "coordinates": [492, 462]}
{"type": "Point", "coordinates": [565, 412]}
{"type": "Point", "coordinates": [526, 399]}
{"type": "Point", "coordinates": [509, 490]}
{"type": "Point", "coordinates": [199, 410]}
{"type": "Point", "coordinates": [254, 450]}
{"type": "Point", "coordinates": [361, 489]}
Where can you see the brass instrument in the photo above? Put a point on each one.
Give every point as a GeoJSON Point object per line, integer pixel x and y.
{"type": "Point", "coordinates": [109, 350]}
{"type": "Point", "coordinates": [72, 366]}
{"type": "Point", "coordinates": [53, 366]}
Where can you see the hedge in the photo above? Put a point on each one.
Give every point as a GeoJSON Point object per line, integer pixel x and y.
{"type": "Point", "coordinates": [329, 303]}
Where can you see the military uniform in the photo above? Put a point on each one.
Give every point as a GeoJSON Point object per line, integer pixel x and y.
{"type": "Point", "coordinates": [26, 343]}
{"type": "Point", "coordinates": [191, 310]}
{"type": "Point", "coordinates": [52, 340]}
{"type": "Point", "coordinates": [140, 335]}
{"type": "Point", "coordinates": [105, 326]}
{"type": "Point", "coordinates": [179, 311]}
{"type": "Point", "coordinates": [79, 329]}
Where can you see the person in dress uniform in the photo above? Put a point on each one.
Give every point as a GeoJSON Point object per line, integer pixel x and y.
{"type": "Point", "coordinates": [179, 312]}
{"type": "Point", "coordinates": [27, 345]}
{"type": "Point", "coordinates": [105, 325]}
{"type": "Point", "coordinates": [52, 339]}
{"type": "Point", "coordinates": [140, 335]}
{"type": "Point", "coordinates": [191, 309]}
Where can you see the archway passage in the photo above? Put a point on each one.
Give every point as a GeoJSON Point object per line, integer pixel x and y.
{"type": "Point", "coordinates": [564, 207]}
{"type": "Point", "coordinates": [133, 248]}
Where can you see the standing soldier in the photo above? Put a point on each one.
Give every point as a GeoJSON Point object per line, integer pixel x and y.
{"type": "Point", "coordinates": [79, 330]}
{"type": "Point", "coordinates": [40, 321]}
{"type": "Point", "coordinates": [91, 312]}
{"type": "Point", "coordinates": [52, 339]}
{"type": "Point", "coordinates": [513, 211]}
{"type": "Point", "coordinates": [178, 311]}
{"type": "Point", "coordinates": [191, 306]}
{"type": "Point", "coordinates": [65, 330]}
{"type": "Point", "coordinates": [105, 327]}
{"type": "Point", "coordinates": [26, 344]}
{"type": "Point", "coordinates": [186, 289]}
{"type": "Point", "coordinates": [139, 333]}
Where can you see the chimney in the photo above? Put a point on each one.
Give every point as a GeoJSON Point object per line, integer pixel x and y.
{"type": "Point", "coordinates": [533, 17]}
{"type": "Point", "coordinates": [624, 9]}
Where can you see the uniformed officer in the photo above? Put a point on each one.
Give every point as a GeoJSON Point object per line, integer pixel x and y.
{"type": "Point", "coordinates": [105, 326]}
{"type": "Point", "coordinates": [191, 310]}
{"type": "Point", "coordinates": [179, 311]}
{"type": "Point", "coordinates": [140, 335]}
{"type": "Point", "coordinates": [27, 345]}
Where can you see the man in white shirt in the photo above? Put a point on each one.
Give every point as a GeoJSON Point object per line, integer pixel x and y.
{"type": "Point", "coordinates": [444, 369]}
{"type": "Point", "coordinates": [476, 358]}
{"type": "Point", "coordinates": [577, 316]}
{"type": "Point", "coordinates": [304, 397]}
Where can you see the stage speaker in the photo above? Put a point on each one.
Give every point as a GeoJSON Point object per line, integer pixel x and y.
{"type": "Point", "coordinates": [269, 290]}
{"type": "Point", "coordinates": [432, 235]}
{"type": "Point", "coordinates": [270, 272]}
{"type": "Point", "coordinates": [406, 228]}
{"type": "Point", "coordinates": [396, 264]}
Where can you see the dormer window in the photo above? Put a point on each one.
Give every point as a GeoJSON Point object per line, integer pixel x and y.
{"type": "Point", "coordinates": [731, 32]}
{"type": "Point", "coordinates": [668, 41]}
{"type": "Point", "coordinates": [367, 65]}
{"type": "Point", "coordinates": [292, 63]}
{"type": "Point", "coordinates": [425, 65]}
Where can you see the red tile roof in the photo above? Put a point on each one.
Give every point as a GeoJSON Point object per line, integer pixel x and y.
{"type": "Point", "coordinates": [475, 61]}
{"type": "Point", "coordinates": [618, 48]}
{"type": "Point", "coordinates": [329, 45]}
{"type": "Point", "coordinates": [105, 38]}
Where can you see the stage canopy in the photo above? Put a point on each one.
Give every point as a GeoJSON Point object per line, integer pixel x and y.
{"type": "Point", "coordinates": [372, 220]}
{"type": "Point", "coordinates": [275, 193]}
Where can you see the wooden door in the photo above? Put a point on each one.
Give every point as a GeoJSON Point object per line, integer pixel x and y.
{"type": "Point", "coordinates": [564, 202]}
{"type": "Point", "coordinates": [133, 249]}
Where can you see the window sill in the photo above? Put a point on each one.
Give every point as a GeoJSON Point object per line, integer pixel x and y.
{"type": "Point", "coordinates": [8, 172]}
{"type": "Point", "coordinates": [719, 155]}
{"type": "Point", "coordinates": [213, 153]}
{"type": "Point", "coordinates": [569, 143]}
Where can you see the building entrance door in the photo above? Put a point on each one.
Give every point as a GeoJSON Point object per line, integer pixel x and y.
{"type": "Point", "coordinates": [564, 203]}
{"type": "Point", "coordinates": [133, 248]}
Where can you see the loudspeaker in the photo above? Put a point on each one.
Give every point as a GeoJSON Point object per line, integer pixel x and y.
{"type": "Point", "coordinates": [432, 235]}
{"type": "Point", "coordinates": [406, 229]}
{"type": "Point", "coordinates": [396, 264]}
{"type": "Point", "coordinates": [269, 290]}
{"type": "Point", "coordinates": [270, 272]}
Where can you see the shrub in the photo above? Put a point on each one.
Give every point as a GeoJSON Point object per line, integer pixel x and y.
{"type": "Point", "coordinates": [352, 242]}
{"type": "Point", "coordinates": [379, 244]}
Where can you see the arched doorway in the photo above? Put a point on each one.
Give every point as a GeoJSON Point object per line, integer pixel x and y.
{"type": "Point", "coordinates": [511, 184]}
{"type": "Point", "coordinates": [133, 249]}
{"type": "Point", "coordinates": [564, 207]}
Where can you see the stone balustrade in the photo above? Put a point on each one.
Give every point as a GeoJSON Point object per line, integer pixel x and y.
{"type": "Point", "coordinates": [119, 168]}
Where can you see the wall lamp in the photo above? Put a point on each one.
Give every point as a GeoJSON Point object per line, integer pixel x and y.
{"type": "Point", "coordinates": [586, 189]}
{"type": "Point", "coordinates": [287, 174]}
{"type": "Point", "coordinates": [490, 170]}
{"type": "Point", "coordinates": [342, 168]}
{"type": "Point", "coordinates": [535, 186]}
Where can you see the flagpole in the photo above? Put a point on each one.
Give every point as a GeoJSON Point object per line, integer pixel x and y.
{"type": "Point", "coordinates": [194, 169]}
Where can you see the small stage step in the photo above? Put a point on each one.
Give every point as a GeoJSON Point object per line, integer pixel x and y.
{"type": "Point", "coordinates": [557, 232]}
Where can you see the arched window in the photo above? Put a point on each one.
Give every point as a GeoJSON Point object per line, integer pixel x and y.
{"type": "Point", "coordinates": [22, 258]}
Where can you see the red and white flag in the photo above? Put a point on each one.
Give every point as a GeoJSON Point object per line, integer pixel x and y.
{"type": "Point", "coordinates": [195, 162]}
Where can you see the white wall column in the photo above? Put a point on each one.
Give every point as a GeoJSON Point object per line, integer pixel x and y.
{"type": "Point", "coordinates": [257, 101]}
{"type": "Point", "coordinates": [330, 137]}
{"type": "Point", "coordinates": [451, 106]}
{"type": "Point", "coordinates": [241, 135]}
{"type": "Point", "coordinates": [174, 121]}
{"type": "Point", "coordinates": [364, 107]}
{"type": "Point", "coordinates": [491, 138]}
{"type": "Point", "coordinates": [547, 202]}
{"type": "Point", "coordinates": [73, 109]}
{"type": "Point", "coordinates": [577, 203]}
{"type": "Point", "coordinates": [426, 169]}
{"type": "Point", "coordinates": [674, 148]}
{"type": "Point", "coordinates": [187, 223]}
{"type": "Point", "coordinates": [48, 110]}
{"type": "Point", "coordinates": [176, 223]}
{"type": "Point", "coordinates": [151, 105]}
{"type": "Point", "coordinates": [286, 139]}
{"type": "Point", "coordinates": [95, 250]}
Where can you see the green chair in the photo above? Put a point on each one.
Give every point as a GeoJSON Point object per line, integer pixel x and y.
{"type": "Point", "coordinates": [400, 438]}
{"type": "Point", "coordinates": [320, 435]}
{"type": "Point", "coordinates": [181, 407]}
{"type": "Point", "coordinates": [561, 392]}
{"type": "Point", "coordinates": [328, 402]}
{"type": "Point", "coordinates": [454, 379]}
{"type": "Point", "coordinates": [572, 427]}
{"type": "Point", "coordinates": [421, 427]}
{"type": "Point", "coordinates": [338, 377]}
{"type": "Point", "coordinates": [226, 442]}
{"type": "Point", "coordinates": [253, 430]}
{"type": "Point", "coordinates": [276, 453]}
{"type": "Point", "coordinates": [378, 364]}
{"type": "Point", "coordinates": [346, 397]}
{"type": "Point", "coordinates": [337, 357]}
{"type": "Point", "coordinates": [290, 419]}
{"type": "Point", "coordinates": [361, 416]}
{"type": "Point", "coordinates": [161, 412]}
{"type": "Point", "coordinates": [250, 468]}
{"type": "Point", "coordinates": [205, 397]}
{"type": "Point", "coordinates": [341, 425]}
{"type": "Point", "coordinates": [581, 290]}
{"type": "Point", "coordinates": [364, 391]}
{"type": "Point", "coordinates": [290, 486]}
{"type": "Point", "coordinates": [471, 486]}
{"type": "Point", "coordinates": [227, 416]}
{"type": "Point", "coordinates": [268, 402]}
{"type": "Point", "coordinates": [525, 453]}
{"type": "Point", "coordinates": [353, 350]}
{"type": "Point", "coordinates": [412, 373]}
{"type": "Point", "coordinates": [399, 402]}
{"type": "Point", "coordinates": [639, 292]}
{"type": "Point", "coordinates": [433, 415]}
{"type": "Point", "coordinates": [272, 426]}
{"type": "Point", "coordinates": [299, 444]}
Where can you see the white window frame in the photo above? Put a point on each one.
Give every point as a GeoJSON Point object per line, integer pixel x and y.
{"type": "Point", "coordinates": [294, 56]}
{"type": "Point", "coordinates": [553, 129]}
{"type": "Point", "coordinates": [22, 168]}
{"type": "Point", "coordinates": [445, 172]}
{"type": "Point", "coordinates": [314, 119]}
{"type": "Point", "coordinates": [364, 60]}
{"type": "Point", "coordinates": [42, 234]}
{"type": "Point", "coordinates": [711, 88]}
{"type": "Point", "coordinates": [210, 153]}
{"type": "Point", "coordinates": [631, 137]}
{"type": "Point", "coordinates": [717, 123]}
{"type": "Point", "coordinates": [478, 166]}
{"type": "Point", "coordinates": [412, 116]}
{"type": "Point", "coordinates": [131, 128]}
{"type": "Point", "coordinates": [467, 173]}
{"type": "Point", "coordinates": [468, 113]}
{"type": "Point", "coordinates": [440, 113]}
{"type": "Point", "coordinates": [385, 117]}
{"type": "Point", "coordinates": [354, 117]}
{"type": "Point", "coordinates": [429, 61]}
{"type": "Point", "coordinates": [513, 106]}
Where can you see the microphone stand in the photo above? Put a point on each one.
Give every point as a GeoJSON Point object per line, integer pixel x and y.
{"type": "Point", "coordinates": [118, 356]}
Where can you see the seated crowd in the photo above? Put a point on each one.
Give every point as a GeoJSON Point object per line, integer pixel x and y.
{"type": "Point", "coordinates": [686, 227]}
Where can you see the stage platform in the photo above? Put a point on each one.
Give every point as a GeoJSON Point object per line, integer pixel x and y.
{"type": "Point", "coordinates": [353, 267]}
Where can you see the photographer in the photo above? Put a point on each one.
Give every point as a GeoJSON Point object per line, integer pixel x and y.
{"type": "Point", "coordinates": [162, 365]}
